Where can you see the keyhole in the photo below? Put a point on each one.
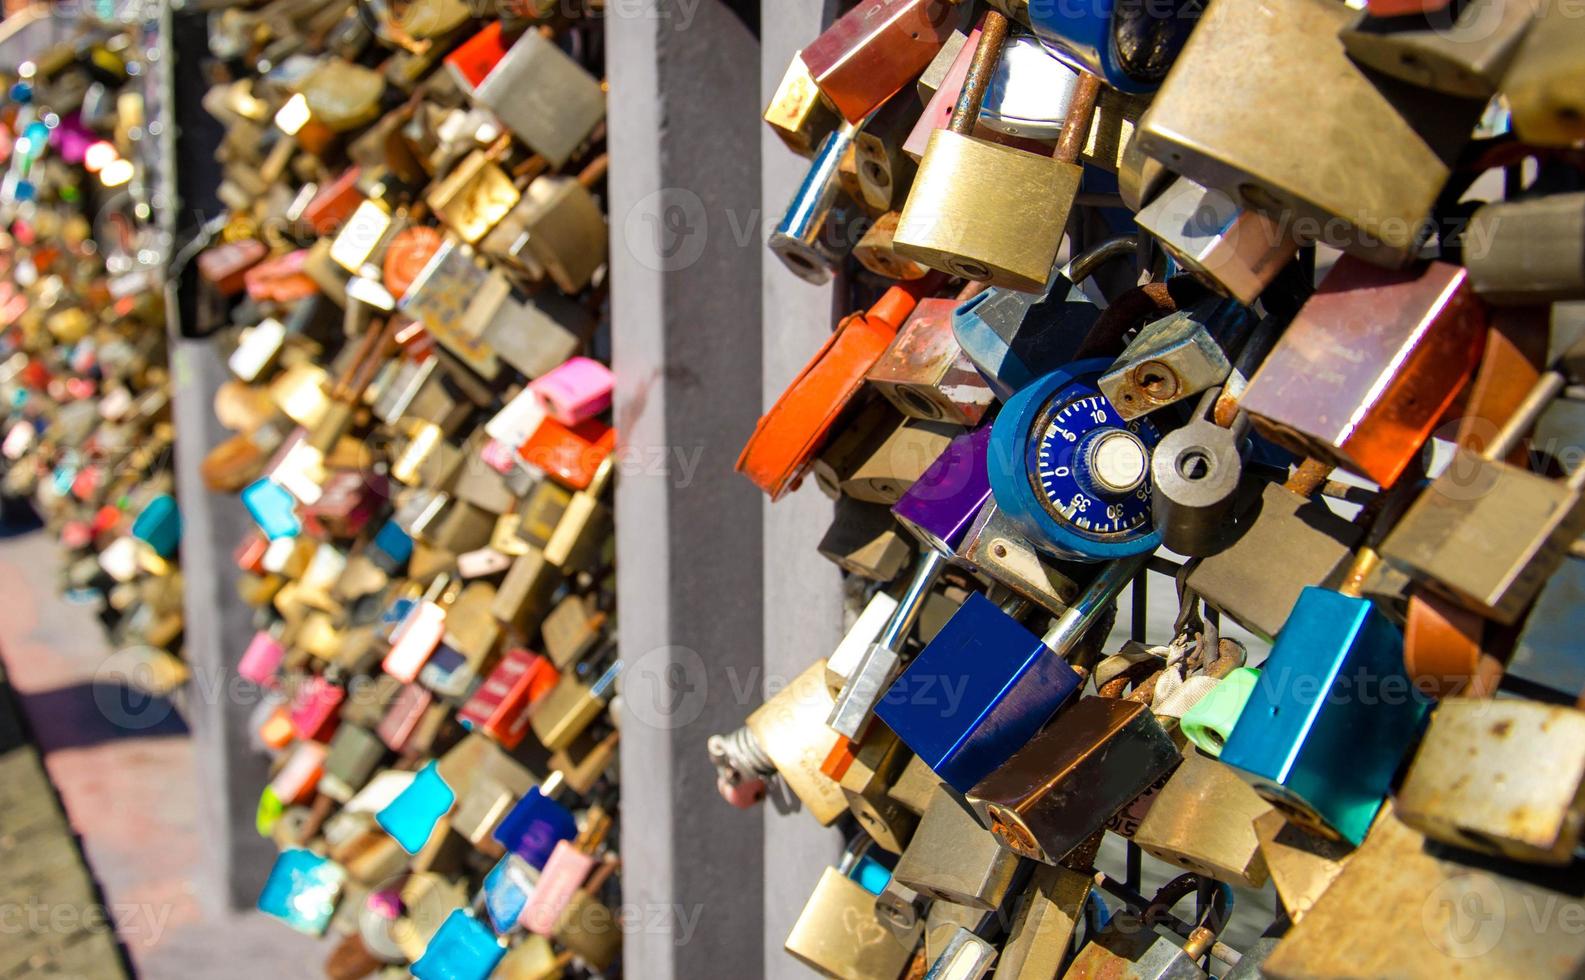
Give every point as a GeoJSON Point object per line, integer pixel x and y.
{"type": "Point", "coordinates": [1194, 464]}
{"type": "Point", "coordinates": [876, 174]}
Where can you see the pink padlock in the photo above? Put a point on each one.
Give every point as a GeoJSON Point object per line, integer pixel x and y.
{"type": "Point", "coordinates": [578, 389]}
{"type": "Point", "coordinates": [262, 659]}
{"type": "Point", "coordinates": [313, 709]}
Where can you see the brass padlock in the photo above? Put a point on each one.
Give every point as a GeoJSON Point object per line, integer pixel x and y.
{"type": "Point", "coordinates": [571, 706]}
{"type": "Point", "coordinates": [798, 113]}
{"type": "Point", "coordinates": [837, 933]}
{"type": "Point", "coordinates": [884, 170]}
{"type": "Point", "coordinates": [1203, 820]}
{"type": "Point", "coordinates": [581, 534]}
{"type": "Point", "coordinates": [571, 630]}
{"type": "Point", "coordinates": [953, 858]}
{"type": "Point", "coordinates": [1177, 357]}
{"type": "Point", "coordinates": [1304, 166]}
{"type": "Point", "coordinates": [1043, 928]}
{"type": "Point", "coordinates": [879, 465]}
{"type": "Point", "coordinates": [524, 595]}
{"type": "Point", "coordinates": [988, 212]}
{"type": "Point", "coordinates": [869, 770]}
{"type": "Point", "coordinates": [544, 97]}
{"type": "Point", "coordinates": [473, 197]}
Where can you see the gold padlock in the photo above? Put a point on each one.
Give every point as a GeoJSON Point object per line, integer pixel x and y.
{"type": "Point", "coordinates": [988, 212]}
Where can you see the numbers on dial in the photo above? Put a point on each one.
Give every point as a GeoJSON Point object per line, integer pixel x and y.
{"type": "Point", "coordinates": [1060, 472]}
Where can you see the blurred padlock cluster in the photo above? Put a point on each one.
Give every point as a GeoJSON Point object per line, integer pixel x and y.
{"type": "Point", "coordinates": [1272, 308]}
{"type": "Point", "coordinates": [410, 279]}
{"type": "Point", "coordinates": [87, 432]}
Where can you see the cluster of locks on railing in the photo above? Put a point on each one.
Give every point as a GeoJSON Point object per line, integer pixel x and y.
{"type": "Point", "coordinates": [412, 273]}
{"type": "Point", "coordinates": [1281, 300]}
{"type": "Point", "coordinates": [87, 431]}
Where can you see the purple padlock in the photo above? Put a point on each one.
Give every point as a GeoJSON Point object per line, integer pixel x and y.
{"type": "Point", "coordinates": [942, 504]}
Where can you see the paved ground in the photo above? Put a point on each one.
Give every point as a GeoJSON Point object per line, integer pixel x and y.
{"type": "Point", "coordinates": [129, 795]}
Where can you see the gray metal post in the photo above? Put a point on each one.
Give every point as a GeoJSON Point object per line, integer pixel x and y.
{"type": "Point", "coordinates": [802, 590]}
{"type": "Point", "coordinates": [685, 271]}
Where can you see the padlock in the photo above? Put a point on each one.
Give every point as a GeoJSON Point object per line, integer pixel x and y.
{"type": "Point", "coordinates": [998, 551]}
{"type": "Point", "coordinates": [1286, 163]}
{"type": "Point", "coordinates": [455, 299]}
{"type": "Point", "coordinates": [541, 511]}
{"type": "Point", "coordinates": [941, 506]}
{"type": "Point", "coordinates": [877, 251]}
{"type": "Point", "coordinates": [1542, 87]}
{"type": "Point", "coordinates": [584, 763]}
{"type": "Point", "coordinates": [1233, 250]}
{"type": "Point", "coordinates": [785, 736]}
{"type": "Point", "coordinates": [952, 858]}
{"type": "Point", "coordinates": [1464, 52]}
{"type": "Point", "coordinates": [864, 540]}
{"type": "Point", "coordinates": [543, 96]}
{"type": "Point", "coordinates": [524, 595]}
{"type": "Point", "coordinates": [925, 373]}
{"type": "Point", "coordinates": [473, 197]}
{"type": "Point", "coordinates": [798, 113]}
{"type": "Point", "coordinates": [557, 230]}
{"type": "Point", "coordinates": [1499, 776]}
{"type": "Point", "coordinates": [354, 754]}
{"type": "Point", "coordinates": [1331, 716]}
{"type": "Point", "coordinates": [789, 435]}
{"type": "Point", "coordinates": [1476, 920]}
{"type": "Point", "coordinates": [951, 72]}
{"type": "Point", "coordinates": [865, 772]}
{"type": "Point", "coordinates": [796, 239]}
{"type": "Point", "coordinates": [1071, 475]}
{"type": "Point", "coordinates": [1030, 92]}
{"type": "Point", "coordinates": [837, 934]}
{"type": "Point", "coordinates": [984, 685]}
{"type": "Point", "coordinates": [537, 823]}
{"type": "Point", "coordinates": [500, 706]}
{"type": "Point", "coordinates": [868, 54]}
{"type": "Point", "coordinates": [1063, 784]}
{"type": "Point", "coordinates": [585, 526]}
{"type": "Point", "coordinates": [1528, 252]}
{"type": "Point", "coordinates": [1128, 47]}
{"type": "Point", "coordinates": [1487, 534]}
{"type": "Point", "coordinates": [1195, 473]}
{"type": "Point", "coordinates": [566, 869]}
{"type": "Point", "coordinates": [1004, 232]}
{"type": "Point", "coordinates": [1013, 338]}
{"type": "Point", "coordinates": [589, 929]}
{"type": "Point", "coordinates": [1369, 365]}
{"type": "Point", "coordinates": [884, 170]}
{"type": "Point", "coordinates": [571, 630]}
{"type": "Point", "coordinates": [1176, 357]}
{"type": "Point", "coordinates": [1043, 928]}
{"type": "Point", "coordinates": [1203, 821]}
{"type": "Point", "coordinates": [571, 706]}
{"type": "Point", "coordinates": [570, 455]}
{"type": "Point", "coordinates": [880, 464]}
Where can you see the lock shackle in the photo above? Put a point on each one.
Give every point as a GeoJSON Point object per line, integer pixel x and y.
{"type": "Point", "coordinates": [993, 36]}
{"type": "Point", "coordinates": [895, 633]}
{"type": "Point", "coordinates": [854, 851]}
{"type": "Point", "coordinates": [1081, 114]}
{"type": "Point", "coordinates": [1087, 609]}
{"type": "Point", "coordinates": [1513, 431]}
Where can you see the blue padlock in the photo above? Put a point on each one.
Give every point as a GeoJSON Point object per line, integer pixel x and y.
{"type": "Point", "coordinates": [1130, 44]}
{"type": "Point", "coordinates": [160, 525]}
{"type": "Point", "coordinates": [507, 887]}
{"type": "Point", "coordinates": [1331, 717]}
{"type": "Point", "coordinates": [462, 949]}
{"type": "Point", "coordinates": [302, 890]}
{"type": "Point", "coordinates": [410, 819]}
{"type": "Point", "coordinates": [977, 692]}
{"type": "Point", "coordinates": [392, 548]}
{"type": "Point", "coordinates": [535, 825]}
{"type": "Point", "coordinates": [1070, 473]}
{"type": "Point", "coordinates": [273, 507]}
{"type": "Point", "coordinates": [1012, 337]}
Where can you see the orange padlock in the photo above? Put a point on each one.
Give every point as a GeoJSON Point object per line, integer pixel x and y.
{"type": "Point", "coordinates": [407, 254]}
{"type": "Point", "coordinates": [334, 203]}
{"type": "Point", "coordinates": [569, 454]}
{"type": "Point", "coordinates": [788, 436]}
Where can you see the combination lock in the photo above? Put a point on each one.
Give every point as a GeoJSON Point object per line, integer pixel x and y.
{"type": "Point", "coordinates": [1070, 472]}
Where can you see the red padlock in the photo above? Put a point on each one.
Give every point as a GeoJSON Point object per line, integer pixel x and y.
{"type": "Point", "coordinates": [789, 435]}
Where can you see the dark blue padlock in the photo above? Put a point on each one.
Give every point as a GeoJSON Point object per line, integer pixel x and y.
{"type": "Point", "coordinates": [1130, 44]}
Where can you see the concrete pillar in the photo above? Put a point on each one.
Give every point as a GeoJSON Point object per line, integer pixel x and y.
{"type": "Point", "coordinates": [685, 273]}
{"type": "Point", "coordinates": [802, 590]}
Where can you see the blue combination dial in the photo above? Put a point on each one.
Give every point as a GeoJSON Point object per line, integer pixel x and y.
{"type": "Point", "coordinates": [1070, 473]}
